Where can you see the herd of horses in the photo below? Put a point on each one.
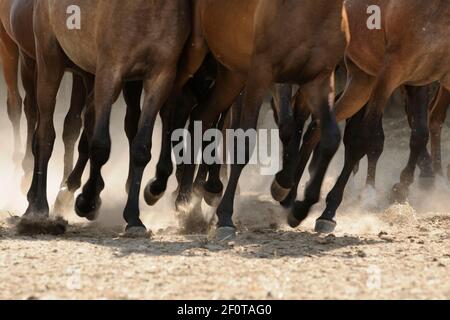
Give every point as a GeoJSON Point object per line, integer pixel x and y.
{"type": "Point", "coordinates": [215, 61]}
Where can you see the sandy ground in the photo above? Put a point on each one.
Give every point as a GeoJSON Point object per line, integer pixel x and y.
{"type": "Point", "coordinates": [378, 251]}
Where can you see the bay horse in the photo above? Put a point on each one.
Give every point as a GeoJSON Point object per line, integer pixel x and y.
{"type": "Point", "coordinates": [378, 62]}
{"type": "Point", "coordinates": [17, 45]}
{"type": "Point", "coordinates": [135, 49]}
{"type": "Point", "coordinates": [258, 43]}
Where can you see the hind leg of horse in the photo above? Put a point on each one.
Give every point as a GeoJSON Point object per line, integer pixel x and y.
{"type": "Point", "coordinates": [317, 97]}
{"type": "Point", "coordinates": [174, 116]}
{"type": "Point", "coordinates": [9, 57]}
{"type": "Point", "coordinates": [48, 82]}
{"type": "Point", "coordinates": [417, 109]}
{"type": "Point", "coordinates": [227, 88]}
{"type": "Point", "coordinates": [291, 131]}
{"type": "Point", "coordinates": [356, 94]}
{"type": "Point", "coordinates": [366, 136]}
{"type": "Point", "coordinates": [437, 117]}
{"type": "Point", "coordinates": [72, 124]}
{"type": "Point", "coordinates": [28, 73]}
{"type": "Point", "coordinates": [132, 92]}
{"type": "Point", "coordinates": [108, 85]}
{"type": "Point", "coordinates": [355, 149]}
{"type": "Point", "coordinates": [257, 86]}
{"type": "Point", "coordinates": [157, 89]}
{"type": "Point", "coordinates": [212, 188]}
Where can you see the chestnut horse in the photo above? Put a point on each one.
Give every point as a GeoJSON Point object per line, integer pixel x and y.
{"type": "Point", "coordinates": [149, 52]}
{"type": "Point", "coordinates": [378, 62]}
{"type": "Point", "coordinates": [258, 43]}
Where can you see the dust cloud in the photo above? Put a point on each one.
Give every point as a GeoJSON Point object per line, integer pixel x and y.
{"type": "Point", "coordinates": [364, 210]}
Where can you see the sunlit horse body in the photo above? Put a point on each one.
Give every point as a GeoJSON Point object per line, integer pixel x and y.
{"type": "Point", "coordinates": [134, 49]}
{"type": "Point", "coordinates": [380, 61]}
{"type": "Point", "coordinates": [258, 43]}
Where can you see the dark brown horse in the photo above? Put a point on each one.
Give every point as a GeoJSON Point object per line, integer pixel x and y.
{"type": "Point", "coordinates": [149, 52]}
{"type": "Point", "coordinates": [258, 43]}
{"type": "Point", "coordinates": [378, 62]}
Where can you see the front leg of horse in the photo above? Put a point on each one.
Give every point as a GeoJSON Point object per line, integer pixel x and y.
{"type": "Point", "coordinates": [329, 144]}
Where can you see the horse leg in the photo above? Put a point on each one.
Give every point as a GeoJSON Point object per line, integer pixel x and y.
{"type": "Point", "coordinates": [355, 96]}
{"type": "Point", "coordinates": [9, 57]}
{"type": "Point", "coordinates": [437, 117]}
{"type": "Point", "coordinates": [72, 124]}
{"type": "Point", "coordinates": [417, 106]}
{"type": "Point", "coordinates": [212, 188]}
{"type": "Point", "coordinates": [157, 89]}
{"type": "Point", "coordinates": [365, 137]}
{"type": "Point", "coordinates": [132, 92]}
{"type": "Point", "coordinates": [65, 198]}
{"type": "Point", "coordinates": [355, 150]}
{"type": "Point", "coordinates": [174, 116]}
{"type": "Point", "coordinates": [291, 131]}
{"type": "Point", "coordinates": [28, 73]}
{"type": "Point", "coordinates": [258, 83]}
{"type": "Point", "coordinates": [48, 82]}
{"type": "Point", "coordinates": [108, 85]}
{"type": "Point", "coordinates": [227, 88]}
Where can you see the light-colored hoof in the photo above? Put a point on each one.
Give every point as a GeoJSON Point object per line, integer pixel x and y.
{"type": "Point", "coordinates": [325, 226]}
{"type": "Point", "coordinates": [150, 198]}
{"type": "Point", "coordinates": [212, 199]}
{"type": "Point", "coordinates": [137, 233]}
{"type": "Point", "coordinates": [224, 234]}
{"type": "Point", "coordinates": [64, 201]}
{"type": "Point", "coordinates": [278, 192]}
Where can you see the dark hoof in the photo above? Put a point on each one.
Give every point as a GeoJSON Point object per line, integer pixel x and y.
{"type": "Point", "coordinates": [325, 226]}
{"type": "Point", "coordinates": [87, 209]}
{"type": "Point", "coordinates": [64, 201]}
{"type": "Point", "coordinates": [399, 194]}
{"type": "Point", "coordinates": [297, 214]}
{"type": "Point", "coordinates": [212, 199]}
{"type": "Point", "coordinates": [278, 192]}
{"type": "Point", "coordinates": [225, 234]}
{"type": "Point", "coordinates": [139, 232]}
{"type": "Point", "coordinates": [150, 198]}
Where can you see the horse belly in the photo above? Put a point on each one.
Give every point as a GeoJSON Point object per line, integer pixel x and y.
{"type": "Point", "coordinates": [78, 44]}
{"type": "Point", "coordinates": [228, 27]}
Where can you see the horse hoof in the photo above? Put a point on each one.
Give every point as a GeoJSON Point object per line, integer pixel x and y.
{"type": "Point", "coordinates": [225, 234]}
{"type": "Point", "coordinates": [325, 226]}
{"type": "Point", "coordinates": [139, 232]}
{"type": "Point", "coordinates": [278, 192]}
{"type": "Point", "coordinates": [150, 198]}
{"type": "Point", "coordinates": [212, 199]}
{"type": "Point", "coordinates": [64, 201]}
{"type": "Point", "coordinates": [182, 203]}
{"type": "Point", "coordinates": [399, 194]}
{"type": "Point", "coordinates": [86, 209]}
{"type": "Point", "coordinates": [31, 225]}
{"type": "Point", "coordinates": [297, 214]}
